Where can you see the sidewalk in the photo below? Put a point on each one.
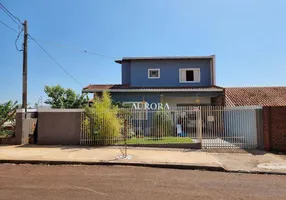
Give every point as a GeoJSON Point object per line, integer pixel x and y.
{"type": "Point", "coordinates": [186, 159]}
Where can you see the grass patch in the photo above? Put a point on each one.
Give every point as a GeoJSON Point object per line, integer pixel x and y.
{"type": "Point", "coordinates": [163, 140]}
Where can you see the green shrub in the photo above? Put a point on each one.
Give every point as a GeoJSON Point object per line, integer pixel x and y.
{"type": "Point", "coordinates": [102, 121]}
{"type": "Point", "coordinates": [6, 133]}
{"type": "Point", "coordinates": [161, 124]}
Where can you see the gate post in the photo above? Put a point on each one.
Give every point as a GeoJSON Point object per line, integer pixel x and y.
{"type": "Point", "coordinates": [199, 126]}
{"type": "Point", "coordinates": [125, 138]}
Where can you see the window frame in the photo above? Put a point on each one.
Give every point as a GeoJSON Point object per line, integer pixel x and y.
{"type": "Point", "coordinates": [189, 69]}
{"type": "Point", "coordinates": [157, 69]}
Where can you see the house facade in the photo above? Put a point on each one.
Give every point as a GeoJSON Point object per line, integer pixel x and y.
{"type": "Point", "coordinates": [178, 81]}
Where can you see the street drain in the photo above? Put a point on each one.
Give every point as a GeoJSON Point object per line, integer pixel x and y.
{"type": "Point", "coordinates": [272, 165]}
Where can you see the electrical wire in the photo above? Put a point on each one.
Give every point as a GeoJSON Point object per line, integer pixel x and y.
{"type": "Point", "coordinates": [77, 49]}
{"type": "Point", "coordinates": [16, 45]}
{"type": "Point", "coordinates": [20, 26]}
{"type": "Point", "coordinates": [42, 50]}
{"type": "Point", "coordinates": [58, 64]}
{"type": "Point", "coordinates": [19, 33]}
{"type": "Point", "coordinates": [16, 20]}
{"type": "Point", "coordinates": [9, 27]}
{"type": "Point", "coordinates": [62, 46]}
{"type": "Point", "coordinates": [11, 16]}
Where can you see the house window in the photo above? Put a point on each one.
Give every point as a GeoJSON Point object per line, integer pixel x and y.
{"type": "Point", "coordinates": [153, 73]}
{"type": "Point", "coordinates": [191, 75]}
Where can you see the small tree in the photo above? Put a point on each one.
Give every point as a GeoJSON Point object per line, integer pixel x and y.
{"type": "Point", "coordinates": [64, 98]}
{"type": "Point", "coordinates": [103, 121]}
{"type": "Point", "coordinates": [7, 111]}
{"type": "Point", "coordinates": [161, 124]}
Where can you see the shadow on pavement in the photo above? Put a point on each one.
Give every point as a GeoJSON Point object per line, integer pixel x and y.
{"type": "Point", "coordinates": [63, 147]}
{"type": "Point", "coordinates": [208, 150]}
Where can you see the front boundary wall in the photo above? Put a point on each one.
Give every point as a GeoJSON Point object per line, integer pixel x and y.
{"type": "Point", "coordinates": [208, 127]}
{"type": "Point", "coordinates": [59, 126]}
{"type": "Point", "coordinates": [274, 128]}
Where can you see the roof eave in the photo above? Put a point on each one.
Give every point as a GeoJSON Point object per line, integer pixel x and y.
{"type": "Point", "coordinates": [165, 58]}
{"type": "Point", "coordinates": [118, 61]}
{"type": "Point", "coordinates": [152, 90]}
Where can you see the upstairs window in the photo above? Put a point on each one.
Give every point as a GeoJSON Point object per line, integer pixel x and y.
{"type": "Point", "coordinates": [153, 73]}
{"type": "Point", "coordinates": [191, 75]}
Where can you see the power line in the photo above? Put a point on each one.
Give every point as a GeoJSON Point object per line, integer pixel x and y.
{"type": "Point", "coordinates": [20, 24]}
{"type": "Point", "coordinates": [49, 55]}
{"type": "Point", "coordinates": [66, 47]}
{"type": "Point", "coordinates": [16, 20]}
{"type": "Point", "coordinates": [16, 45]}
{"type": "Point", "coordinates": [9, 27]}
{"type": "Point", "coordinates": [77, 49]}
{"type": "Point", "coordinates": [44, 51]}
{"type": "Point", "coordinates": [13, 17]}
{"type": "Point", "coordinates": [19, 33]}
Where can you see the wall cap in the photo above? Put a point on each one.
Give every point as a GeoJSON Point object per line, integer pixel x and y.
{"type": "Point", "coordinates": [48, 110]}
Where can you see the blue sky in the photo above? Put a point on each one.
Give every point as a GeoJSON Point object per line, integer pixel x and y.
{"type": "Point", "coordinates": [248, 38]}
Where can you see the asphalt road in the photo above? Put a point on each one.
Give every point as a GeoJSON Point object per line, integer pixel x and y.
{"type": "Point", "coordinates": [36, 182]}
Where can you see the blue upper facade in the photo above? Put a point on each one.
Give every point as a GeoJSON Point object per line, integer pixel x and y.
{"type": "Point", "coordinates": [135, 71]}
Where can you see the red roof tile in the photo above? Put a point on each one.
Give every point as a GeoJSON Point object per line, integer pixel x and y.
{"type": "Point", "coordinates": [255, 96]}
{"type": "Point", "coordinates": [106, 87]}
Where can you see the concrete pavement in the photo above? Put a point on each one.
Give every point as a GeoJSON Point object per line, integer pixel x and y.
{"type": "Point", "coordinates": [107, 155]}
{"type": "Point", "coordinates": [253, 162]}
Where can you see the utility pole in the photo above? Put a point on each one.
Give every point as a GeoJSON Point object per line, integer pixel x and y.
{"type": "Point", "coordinates": [25, 52]}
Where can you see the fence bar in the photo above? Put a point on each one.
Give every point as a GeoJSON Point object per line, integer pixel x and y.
{"type": "Point", "coordinates": [212, 126]}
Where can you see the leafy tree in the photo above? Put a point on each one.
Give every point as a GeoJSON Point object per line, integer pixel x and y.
{"type": "Point", "coordinates": [7, 111]}
{"type": "Point", "coordinates": [161, 124]}
{"type": "Point", "coordinates": [64, 98]}
{"type": "Point", "coordinates": [117, 103]}
{"type": "Point", "coordinates": [103, 122]}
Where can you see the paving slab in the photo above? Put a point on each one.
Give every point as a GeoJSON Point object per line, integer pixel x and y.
{"type": "Point", "coordinates": [249, 161]}
{"type": "Point", "coordinates": [253, 161]}
{"type": "Point", "coordinates": [82, 155]}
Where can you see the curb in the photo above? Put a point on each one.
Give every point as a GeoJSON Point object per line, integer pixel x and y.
{"type": "Point", "coordinates": [153, 165]}
{"type": "Point", "coordinates": [256, 172]}
{"type": "Point", "coordinates": [106, 163]}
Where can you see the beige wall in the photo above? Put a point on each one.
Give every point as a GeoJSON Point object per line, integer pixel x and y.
{"type": "Point", "coordinates": [24, 127]}
{"type": "Point", "coordinates": [59, 127]}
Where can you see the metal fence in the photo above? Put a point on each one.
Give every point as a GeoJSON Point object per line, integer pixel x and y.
{"type": "Point", "coordinates": [211, 127]}
{"type": "Point", "coordinates": [229, 127]}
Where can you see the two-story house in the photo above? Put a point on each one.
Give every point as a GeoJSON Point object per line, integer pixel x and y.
{"type": "Point", "coordinates": [178, 81]}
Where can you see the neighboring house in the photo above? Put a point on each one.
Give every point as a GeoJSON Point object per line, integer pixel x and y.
{"type": "Point", "coordinates": [178, 81]}
{"type": "Point", "coordinates": [255, 96]}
